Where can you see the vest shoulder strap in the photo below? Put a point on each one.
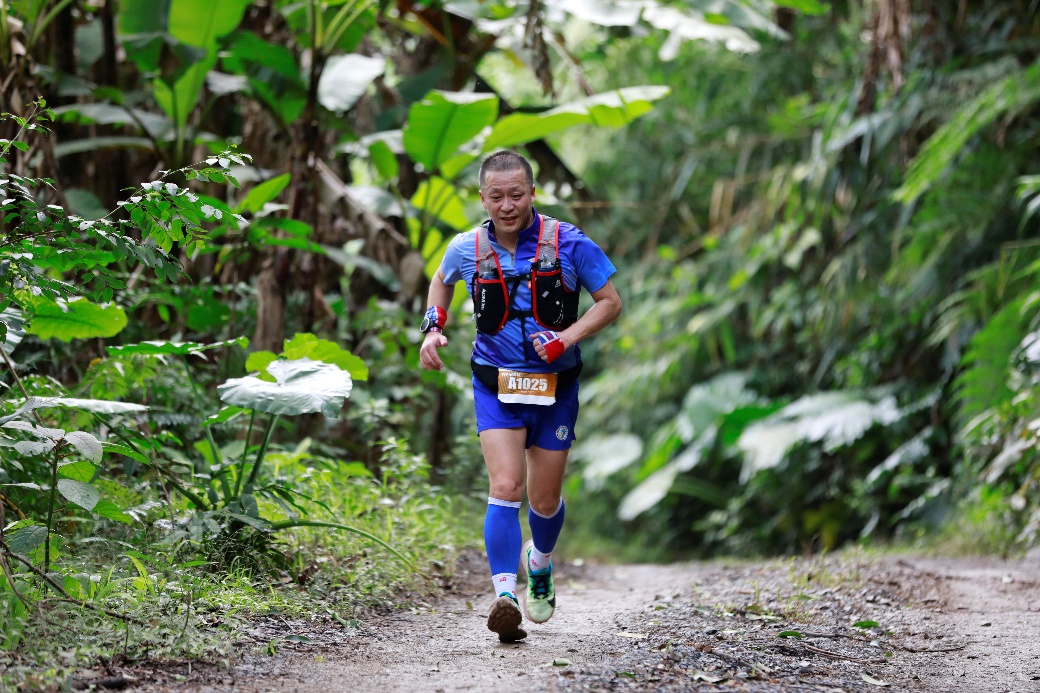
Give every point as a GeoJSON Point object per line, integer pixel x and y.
{"type": "Point", "coordinates": [549, 241]}
{"type": "Point", "coordinates": [482, 249]}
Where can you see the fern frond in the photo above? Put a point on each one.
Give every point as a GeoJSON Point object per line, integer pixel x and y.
{"type": "Point", "coordinates": [1011, 94]}
{"type": "Point", "coordinates": [983, 384]}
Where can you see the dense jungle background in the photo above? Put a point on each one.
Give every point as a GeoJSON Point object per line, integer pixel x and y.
{"type": "Point", "coordinates": [218, 221]}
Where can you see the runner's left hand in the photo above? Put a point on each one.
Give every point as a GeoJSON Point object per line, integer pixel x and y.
{"type": "Point", "coordinates": [549, 345]}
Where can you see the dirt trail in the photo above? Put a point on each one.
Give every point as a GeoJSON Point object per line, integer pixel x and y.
{"type": "Point", "coordinates": [994, 607]}
{"type": "Point", "coordinates": [942, 625]}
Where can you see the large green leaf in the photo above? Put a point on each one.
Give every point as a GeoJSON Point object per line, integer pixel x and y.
{"type": "Point", "coordinates": [195, 23]}
{"type": "Point", "coordinates": [25, 539]}
{"type": "Point", "coordinates": [440, 199]}
{"type": "Point", "coordinates": [85, 444]}
{"type": "Point", "coordinates": [345, 80]}
{"type": "Point", "coordinates": [92, 144]}
{"type": "Point", "coordinates": [813, 7]}
{"type": "Point", "coordinates": [723, 26]}
{"type": "Point", "coordinates": [82, 494]}
{"type": "Point", "coordinates": [76, 318]}
{"type": "Point", "coordinates": [110, 510]}
{"type": "Point", "coordinates": [41, 432]}
{"type": "Point", "coordinates": [834, 419]}
{"type": "Point", "coordinates": [720, 23]}
{"type": "Point", "coordinates": [611, 109]}
{"type": "Point", "coordinates": [156, 125]}
{"type": "Point", "coordinates": [98, 406]}
{"type": "Point", "coordinates": [272, 73]}
{"type": "Point", "coordinates": [650, 491]}
{"type": "Point", "coordinates": [706, 409]}
{"type": "Point", "coordinates": [28, 406]}
{"type": "Point", "coordinates": [77, 471]}
{"type": "Point", "coordinates": [259, 361]}
{"type": "Point", "coordinates": [263, 193]}
{"type": "Point", "coordinates": [605, 455]}
{"type": "Point", "coordinates": [32, 448]}
{"type": "Point", "coordinates": [707, 403]}
{"type": "Point", "coordinates": [303, 386]}
{"type": "Point", "coordinates": [306, 345]}
{"type": "Point", "coordinates": [86, 204]}
{"type": "Point", "coordinates": [144, 16]}
{"type": "Point", "coordinates": [444, 121]}
{"type": "Point", "coordinates": [174, 348]}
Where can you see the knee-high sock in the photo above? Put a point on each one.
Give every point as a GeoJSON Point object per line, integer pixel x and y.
{"type": "Point", "coordinates": [503, 541]}
{"type": "Point", "coordinates": [545, 530]}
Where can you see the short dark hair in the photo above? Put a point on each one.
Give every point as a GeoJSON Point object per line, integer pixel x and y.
{"type": "Point", "coordinates": [505, 160]}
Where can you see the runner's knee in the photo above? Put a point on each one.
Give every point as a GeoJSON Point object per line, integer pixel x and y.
{"type": "Point", "coordinates": [545, 506]}
{"type": "Point", "coordinates": [507, 489]}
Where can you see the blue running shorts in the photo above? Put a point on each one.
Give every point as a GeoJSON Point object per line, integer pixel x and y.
{"type": "Point", "coordinates": [548, 427]}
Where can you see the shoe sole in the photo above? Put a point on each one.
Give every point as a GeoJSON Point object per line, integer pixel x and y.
{"type": "Point", "coordinates": [505, 619]}
{"type": "Point", "coordinates": [523, 564]}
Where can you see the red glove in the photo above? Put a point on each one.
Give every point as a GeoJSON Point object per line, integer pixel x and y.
{"type": "Point", "coordinates": [553, 345]}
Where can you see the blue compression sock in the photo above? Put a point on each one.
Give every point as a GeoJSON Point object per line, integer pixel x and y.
{"type": "Point", "coordinates": [503, 540]}
{"type": "Point", "coordinates": [545, 530]}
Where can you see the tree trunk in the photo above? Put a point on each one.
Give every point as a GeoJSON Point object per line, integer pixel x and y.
{"type": "Point", "coordinates": [270, 308]}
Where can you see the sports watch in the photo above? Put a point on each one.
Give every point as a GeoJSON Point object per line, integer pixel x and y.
{"type": "Point", "coordinates": [433, 320]}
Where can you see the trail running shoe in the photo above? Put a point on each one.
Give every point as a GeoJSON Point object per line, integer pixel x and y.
{"type": "Point", "coordinates": [504, 618]}
{"type": "Point", "coordinates": [541, 597]}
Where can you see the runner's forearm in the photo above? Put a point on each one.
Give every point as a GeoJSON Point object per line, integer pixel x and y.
{"type": "Point", "coordinates": [440, 294]}
{"type": "Point", "coordinates": [605, 311]}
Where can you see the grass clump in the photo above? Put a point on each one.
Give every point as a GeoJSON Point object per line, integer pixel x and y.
{"type": "Point", "coordinates": [147, 594]}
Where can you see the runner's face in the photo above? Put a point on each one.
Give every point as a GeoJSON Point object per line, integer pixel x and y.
{"type": "Point", "coordinates": [508, 199]}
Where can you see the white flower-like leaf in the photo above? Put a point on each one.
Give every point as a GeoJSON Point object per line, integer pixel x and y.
{"type": "Point", "coordinates": [301, 386]}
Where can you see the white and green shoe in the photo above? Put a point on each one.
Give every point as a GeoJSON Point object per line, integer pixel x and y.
{"type": "Point", "coordinates": [540, 601]}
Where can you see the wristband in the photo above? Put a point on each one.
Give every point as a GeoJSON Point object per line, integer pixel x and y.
{"type": "Point", "coordinates": [434, 320]}
{"type": "Point", "coordinates": [552, 344]}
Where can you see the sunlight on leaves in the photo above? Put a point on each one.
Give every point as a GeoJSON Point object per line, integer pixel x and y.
{"type": "Point", "coordinates": [80, 493]}
{"type": "Point", "coordinates": [610, 109]}
{"type": "Point", "coordinates": [346, 78]}
{"type": "Point", "coordinates": [76, 318]}
{"type": "Point", "coordinates": [303, 386]}
{"type": "Point", "coordinates": [604, 455]}
{"type": "Point", "coordinates": [834, 419]}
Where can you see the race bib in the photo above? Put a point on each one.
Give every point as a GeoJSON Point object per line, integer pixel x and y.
{"type": "Point", "coordinates": [517, 387]}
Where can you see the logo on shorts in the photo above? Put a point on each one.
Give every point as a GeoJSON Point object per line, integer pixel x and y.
{"type": "Point", "coordinates": [561, 433]}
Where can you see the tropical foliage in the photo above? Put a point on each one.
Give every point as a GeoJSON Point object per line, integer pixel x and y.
{"type": "Point", "coordinates": [218, 220]}
{"type": "Point", "coordinates": [836, 293]}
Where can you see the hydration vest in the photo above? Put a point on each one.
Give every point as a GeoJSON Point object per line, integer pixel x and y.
{"type": "Point", "coordinates": [553, 305]}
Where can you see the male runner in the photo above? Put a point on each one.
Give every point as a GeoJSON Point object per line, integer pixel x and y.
{"type": "Point", "coordinates": [525, 366]}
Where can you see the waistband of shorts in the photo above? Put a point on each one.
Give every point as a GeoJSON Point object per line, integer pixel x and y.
{"type": "Point", "coordinates": [488, 375]}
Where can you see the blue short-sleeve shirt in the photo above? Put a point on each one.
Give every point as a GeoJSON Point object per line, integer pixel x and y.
{"type": "Point", "coordinates": [584, 265]}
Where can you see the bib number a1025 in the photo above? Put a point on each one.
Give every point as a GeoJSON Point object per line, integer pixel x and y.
{"type": "Point", "coordinates": [517, 387]}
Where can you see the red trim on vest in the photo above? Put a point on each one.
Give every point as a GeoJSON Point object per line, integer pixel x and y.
{"type": "Point", "coordinates": [557, 295]}
{"type": "Point", "coordinates": [501, 280]}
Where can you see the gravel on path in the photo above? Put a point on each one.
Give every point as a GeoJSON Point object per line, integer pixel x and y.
{"type": "Point", "coordinates": [846, 623]}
